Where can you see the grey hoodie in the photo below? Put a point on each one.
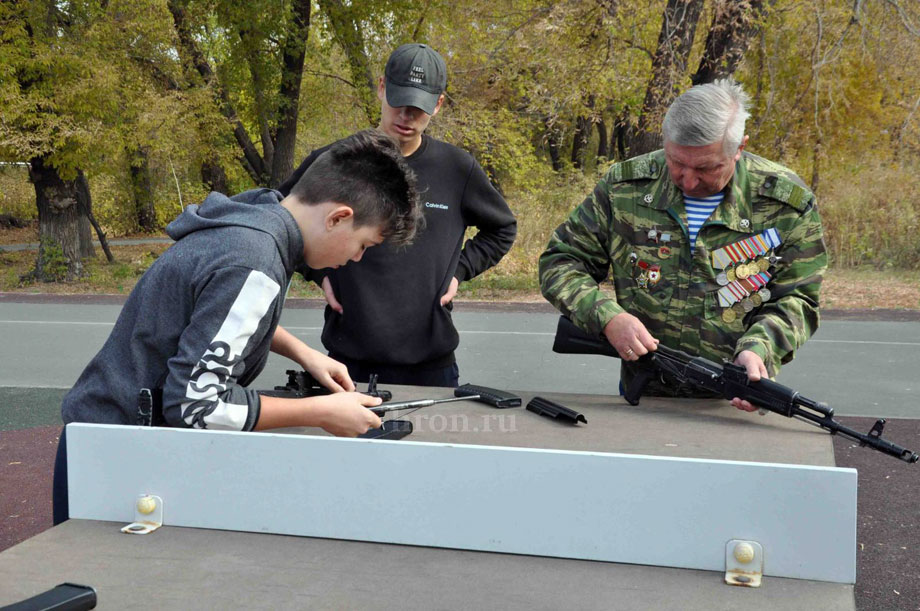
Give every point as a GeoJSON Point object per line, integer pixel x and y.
{"type": "Point", "coordinates": [200, 321]}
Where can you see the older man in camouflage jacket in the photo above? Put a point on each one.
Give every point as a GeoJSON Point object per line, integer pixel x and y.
{"type": "Point", "coordinates": [714, 250]}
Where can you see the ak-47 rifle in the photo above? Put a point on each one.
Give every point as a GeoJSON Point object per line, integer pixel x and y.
{"type": "Point", "coordinates": [728, 380]}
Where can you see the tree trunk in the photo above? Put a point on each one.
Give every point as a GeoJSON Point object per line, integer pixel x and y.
{"type": "Point", "coordinates": [619, 135]}
{"type": "Point", "coordinates": [816, 165]}
{"type": "Point", "coordinates": [580, 141]}
{"type": "Point", "coordinates": [64, 232]}
{"type": "Point", "coordinates": [734, 25]}
{"type": "Point", "coordinates": [188, 48]}
{"type": "Point", "coordinates": [583, 127]}
{"type": "Point", "coordinates": [669, 66]}
{"type": "Point", "coordinates": [86, 209]}
{"type": "Point", "coordinates": [293, 55]}
{"type": "Point", "coordinates": [603, 146]}
{"type": "Point", "coordinates": [350, 37]}
{"type": "Point", "coordinates": [553, 143]}
{"type": "Point", "coordinates": [213, 175]}
{"type": "Point", "coordinates": [144, 212]}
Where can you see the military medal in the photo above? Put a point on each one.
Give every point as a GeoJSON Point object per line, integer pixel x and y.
{"type": "Point", "coordinates": [642, 279]}
{"type": "Point", "coordinates": [759, 281]}
{"type": "Point", "coordinates": [722, 278]}
{"type": "Point", "coordinates": [741, 272]}
{"type": "Point", "coordinates": [749, 284]}
{"type": "Point", "coordinates": [763, 264]}
{"type": "Point", "coordinates": [664, 252]}
{"type": "Point", "coordinates": [720, 259]}
{"type": "Point", "coordinates": [730, 274]}
{"type": "Point", "coordinates": [654, 274]}
{"type": "Point", "coordinates": [742, 295]}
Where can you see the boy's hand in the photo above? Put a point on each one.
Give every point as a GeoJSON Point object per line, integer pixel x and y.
{"type": "Point", "coordinates": [328, 371]}
{"type": "Point", "coordinates": [345, 414]}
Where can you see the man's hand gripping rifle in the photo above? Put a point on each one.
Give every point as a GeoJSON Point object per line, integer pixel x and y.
{"type": "Point", "coordinates": [727, 380]}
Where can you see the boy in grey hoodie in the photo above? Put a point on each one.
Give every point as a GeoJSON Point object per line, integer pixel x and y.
{"type": "Point", "coordinates": [200, 323]}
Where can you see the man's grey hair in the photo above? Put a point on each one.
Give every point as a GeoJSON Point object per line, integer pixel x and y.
{"type": "Point", "coordinates": [712, 112]}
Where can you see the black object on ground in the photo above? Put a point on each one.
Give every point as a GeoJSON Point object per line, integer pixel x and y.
{"type": "Point", "coordinates": [557, 411]}
{"type": "Point", "coordinates": [492, 396]}
{"type": "Point", "coordinates": [391, 429]}
{"type": "Point", "coordinates": [63, 597]}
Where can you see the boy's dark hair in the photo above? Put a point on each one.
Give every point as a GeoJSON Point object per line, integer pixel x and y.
{"type": "Point", "coordinates": [366, 172]}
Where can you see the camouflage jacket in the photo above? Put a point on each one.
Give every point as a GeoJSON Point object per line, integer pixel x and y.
{"type": "Point", "coordinates": [611, 229]}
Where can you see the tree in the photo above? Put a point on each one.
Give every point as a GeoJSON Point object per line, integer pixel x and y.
{"type": "Point", "coordinates": [345, 21]}
{"type": "Point", "coordinates": [734, 24]}
{"type": "Point", "coordinates": [49, 119]}
{"type": "Point", "coordinates": [272, 47]}
{"type": "Point", "coordinates": [669, 67]}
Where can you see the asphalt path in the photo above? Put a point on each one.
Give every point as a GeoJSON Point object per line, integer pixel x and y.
{"type": "Point", "coordinates": [859, 367]}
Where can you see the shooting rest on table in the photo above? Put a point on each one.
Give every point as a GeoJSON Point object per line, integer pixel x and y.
{"type": "Point", "coordinates": [655, 484]}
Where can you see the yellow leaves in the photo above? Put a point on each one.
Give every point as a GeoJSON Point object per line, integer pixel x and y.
{"type": "Point", "coordinates": [817, 75]}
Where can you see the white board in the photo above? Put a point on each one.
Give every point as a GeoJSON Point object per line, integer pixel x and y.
{"type": "Point", "coordinates": [675, 512]}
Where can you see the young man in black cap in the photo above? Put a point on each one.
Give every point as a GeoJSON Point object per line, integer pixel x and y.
{"type": "Point", "coordinates": [391, 315]}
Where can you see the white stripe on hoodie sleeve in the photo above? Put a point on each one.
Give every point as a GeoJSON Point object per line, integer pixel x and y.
{"type": "Point", "coordinates": [210, 376]}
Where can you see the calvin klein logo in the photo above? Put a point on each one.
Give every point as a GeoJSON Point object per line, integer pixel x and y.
{"type": "Point", "coordinates": [440, 206]}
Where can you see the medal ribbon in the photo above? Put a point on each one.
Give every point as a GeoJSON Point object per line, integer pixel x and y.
{"type": "Point", "coordinates": [739, 289]}
{"type": "Point", "coordinates": [746, 249]}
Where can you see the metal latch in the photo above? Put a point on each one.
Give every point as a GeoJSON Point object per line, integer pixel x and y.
{"type": "Point", "coordinates": [148, 515]}
{"type": "Point", "coordinates": [743, 563]}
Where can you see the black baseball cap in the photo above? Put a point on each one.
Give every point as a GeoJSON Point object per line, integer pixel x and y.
{"type": "Point", "coordinates": [416, 75]}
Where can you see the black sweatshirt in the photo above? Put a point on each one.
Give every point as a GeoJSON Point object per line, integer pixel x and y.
{"type": "Point", "coordinates": [391, 298]}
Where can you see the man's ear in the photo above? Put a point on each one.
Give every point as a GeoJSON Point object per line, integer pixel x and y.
{"type": "Point", "coordinates": [381, 90]}
{"type": "Point", "coordinates": [744, 141]}
{"type": "Point", "coordinates": [438, 106]}
{"type": "Point", "coordinates": [338, 215]}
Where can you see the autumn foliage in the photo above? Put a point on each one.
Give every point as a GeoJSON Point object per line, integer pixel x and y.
{"type": "Point", "coordinates": [154, 102]}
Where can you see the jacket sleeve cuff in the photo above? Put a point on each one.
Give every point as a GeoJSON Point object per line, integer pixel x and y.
{"type": "Point", "coordinates": [757, 347]}
{"type": "Point", "coordinates": [593, 313]}
{"type": "Point", "coordinates": [461, 273]}
{"type": "Point", "coordinates": [255, 410]}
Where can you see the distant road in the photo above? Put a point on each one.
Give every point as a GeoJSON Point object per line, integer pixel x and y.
{"type": "Point", "coordinates": [859, 367]}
